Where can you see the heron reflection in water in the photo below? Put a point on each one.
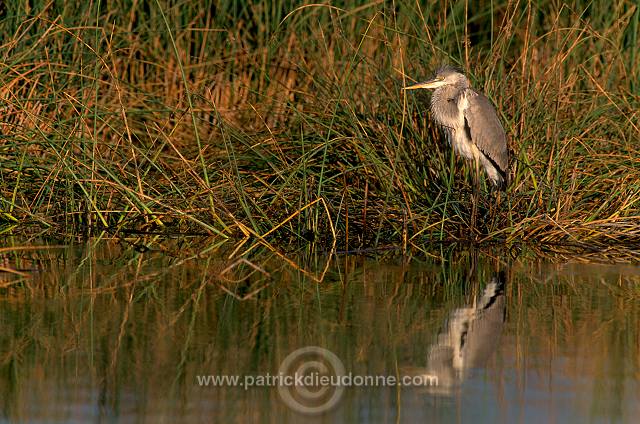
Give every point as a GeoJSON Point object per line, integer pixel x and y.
{"type": "Point", "coordinates": [471, 334]}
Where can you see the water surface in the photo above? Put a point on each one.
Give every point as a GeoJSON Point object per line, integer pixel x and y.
{"type": "Point", "coordinates": [102, 331]}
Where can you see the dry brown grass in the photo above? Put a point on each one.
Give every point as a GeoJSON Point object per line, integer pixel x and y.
{"type": "Point", "coordinates": [228, 123]}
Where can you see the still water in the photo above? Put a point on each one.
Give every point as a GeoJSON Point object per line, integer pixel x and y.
{"type": "Point", "coordinates": [105, 332]}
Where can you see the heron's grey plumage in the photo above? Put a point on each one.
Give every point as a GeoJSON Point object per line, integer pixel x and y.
{"type": "Point", "coordinates": [486, 132]}
{"type": "Point", "coordinates": [470, 122]}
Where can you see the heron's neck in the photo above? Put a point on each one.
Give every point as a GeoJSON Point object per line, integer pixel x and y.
{"type": "Point", "coordinates": [444, 105]}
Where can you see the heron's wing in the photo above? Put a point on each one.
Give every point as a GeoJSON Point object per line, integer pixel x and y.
{"type": "Point", "coordinates": [485, 130]}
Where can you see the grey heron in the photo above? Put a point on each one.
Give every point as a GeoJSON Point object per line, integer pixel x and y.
{"type": "Point", "coordinates": [470, 122]}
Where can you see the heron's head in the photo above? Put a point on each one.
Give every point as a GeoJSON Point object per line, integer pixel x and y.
{"type": "Point", "coordinates": [445, 76]}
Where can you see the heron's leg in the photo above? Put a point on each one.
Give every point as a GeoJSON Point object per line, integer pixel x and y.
{"type": "Point", "coordinates": [495, 206]}
{"type": "Point", "coordinates": [476, 195]}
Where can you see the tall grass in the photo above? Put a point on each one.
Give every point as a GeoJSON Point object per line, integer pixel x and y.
{"type": "Point", "coordinates": [287, 123]}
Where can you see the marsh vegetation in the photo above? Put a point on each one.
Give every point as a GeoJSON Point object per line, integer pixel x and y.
{"type": "Point", "coordinates": [286, 123]}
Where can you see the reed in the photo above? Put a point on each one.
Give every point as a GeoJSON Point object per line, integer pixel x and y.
{"type": "Point", "coordinates": [286, 123]}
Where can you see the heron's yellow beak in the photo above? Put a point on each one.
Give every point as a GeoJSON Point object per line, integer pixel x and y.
{"type": "Point", "coordinates": [432, 83]}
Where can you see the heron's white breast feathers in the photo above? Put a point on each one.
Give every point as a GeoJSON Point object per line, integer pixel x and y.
{"type": "Point", "coordinates": [460, 140]}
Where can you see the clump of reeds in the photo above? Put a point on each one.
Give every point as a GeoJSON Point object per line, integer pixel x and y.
{"type": "Point", "coordinates": [287, 123]}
